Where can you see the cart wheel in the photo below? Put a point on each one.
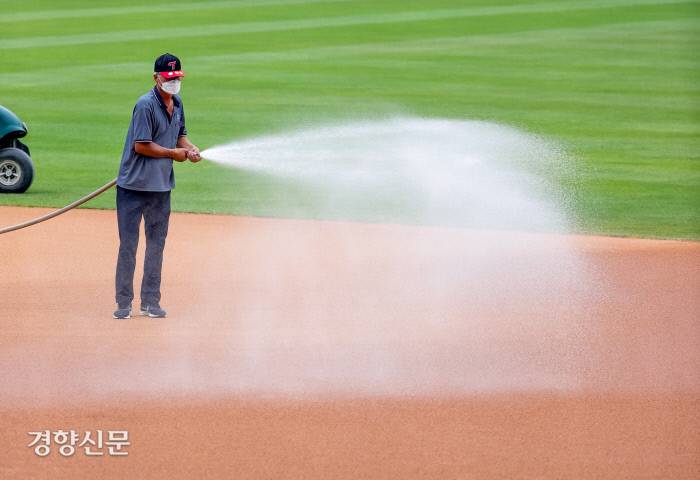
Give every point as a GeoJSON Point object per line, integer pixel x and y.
{"type": "Point", "coordinates": [16, 170]}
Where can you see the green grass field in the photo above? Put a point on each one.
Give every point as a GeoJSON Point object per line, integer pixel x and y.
{"type": "Point", "coordinates": [615, 81]}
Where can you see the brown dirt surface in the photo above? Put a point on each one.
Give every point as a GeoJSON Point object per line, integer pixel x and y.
{"type": "Point", "coordinates": [319, 349]}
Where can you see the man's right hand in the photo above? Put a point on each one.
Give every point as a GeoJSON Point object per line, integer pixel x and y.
{"type": "Point", "coordinates": [178, 154]}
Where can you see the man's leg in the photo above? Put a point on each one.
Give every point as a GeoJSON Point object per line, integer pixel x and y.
{"type": "Point", "coordinates": [129, 212]}
{"type": "Point", "coordinates": [156, 218]}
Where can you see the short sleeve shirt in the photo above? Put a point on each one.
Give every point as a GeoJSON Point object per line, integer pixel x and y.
{"type": "Point", "coordinates": [150, 122]}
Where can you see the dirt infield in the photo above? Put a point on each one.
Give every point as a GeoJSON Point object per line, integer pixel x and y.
{"type": "Point", "coordinates": [309, 349]}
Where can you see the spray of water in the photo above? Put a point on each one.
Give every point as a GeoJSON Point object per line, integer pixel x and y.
{"type": "Point", "coordinates": [406, 309]}
{"type": "Point", "coordinates": [436, 171]}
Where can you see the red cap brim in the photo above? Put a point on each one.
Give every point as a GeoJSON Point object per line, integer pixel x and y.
{"type": "Point", "coordinates": [174, 74]}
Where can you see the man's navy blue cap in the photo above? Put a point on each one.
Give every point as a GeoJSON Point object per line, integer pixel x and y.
{"type": "Point", "coordinates": [168, 66]}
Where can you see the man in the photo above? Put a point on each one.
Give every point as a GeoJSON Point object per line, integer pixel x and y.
{"type": "Point", "coordinates": [156, 136]}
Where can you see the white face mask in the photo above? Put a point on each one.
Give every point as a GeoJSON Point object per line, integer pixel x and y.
{"type": "Point", "coordinates": [172, 87]}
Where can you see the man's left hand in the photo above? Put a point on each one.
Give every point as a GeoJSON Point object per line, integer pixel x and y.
{"type": "Point", "coordinates": [193, 156]}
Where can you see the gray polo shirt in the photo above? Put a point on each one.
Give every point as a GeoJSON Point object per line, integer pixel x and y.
{"type": "Point", "coordinates": [150, 122]}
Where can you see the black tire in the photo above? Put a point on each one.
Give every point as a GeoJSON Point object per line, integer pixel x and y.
{"type": "Point", "coordinates": [22, 146]}
{"type": "Point", "coordinates": [16, 170]}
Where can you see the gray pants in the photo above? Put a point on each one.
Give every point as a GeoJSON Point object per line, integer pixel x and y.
{"type": "Point", "coordinates": [154, 207]}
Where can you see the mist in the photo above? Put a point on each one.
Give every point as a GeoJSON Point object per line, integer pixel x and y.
{"type": "Point", "coordinates": [429, 171]}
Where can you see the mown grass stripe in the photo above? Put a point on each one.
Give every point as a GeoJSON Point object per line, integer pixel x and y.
{"type": "Point", "coordinates": [312, 23]}
{"type": "Point", "coordinates": [442, 44]}
{"type": "Point", "coordinates": [101, 12]}
{"type": "Point", "coordinates": [169, 8]}
{"type": "Point", "coordinates": [544, 60]}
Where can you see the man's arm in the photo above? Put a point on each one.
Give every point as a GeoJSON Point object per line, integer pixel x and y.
{"type": "Point", "coordinates": [152, 149]}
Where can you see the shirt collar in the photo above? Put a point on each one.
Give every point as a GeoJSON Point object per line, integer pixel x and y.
{"type": "Point", "coordinates": [156, 94]}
